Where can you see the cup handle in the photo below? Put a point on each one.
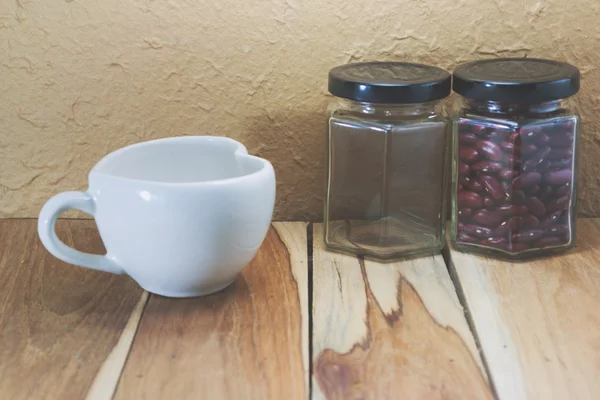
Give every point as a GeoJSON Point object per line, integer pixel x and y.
{"type": "Point", "coordinates": [82, 201]}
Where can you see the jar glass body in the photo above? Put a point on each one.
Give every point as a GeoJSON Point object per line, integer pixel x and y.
{"type": "Point", "coordinates": [514, 185]}
{"type": "Point", "coordinates": [386, 178]}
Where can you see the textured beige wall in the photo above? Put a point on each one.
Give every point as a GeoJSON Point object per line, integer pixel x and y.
{"type": "Point", "coordinates": [81, 78]}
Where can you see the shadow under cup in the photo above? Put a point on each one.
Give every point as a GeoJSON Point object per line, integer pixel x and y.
{"type": "Point", "coordinates": [182, 216]}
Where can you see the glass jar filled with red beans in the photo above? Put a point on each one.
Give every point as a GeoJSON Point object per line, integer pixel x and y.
{"type": "Point", "coordinates": [515, 142]}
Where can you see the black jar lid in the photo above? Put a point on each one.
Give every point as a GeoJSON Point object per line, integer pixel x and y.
{"type": "Point", "coordinates": [389, 82]}
{"type": "Point", "coordinates": [516, 80]}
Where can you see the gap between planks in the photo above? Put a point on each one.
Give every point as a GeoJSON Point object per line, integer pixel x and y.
{"type": "Point", "coordinates": [106, 381]}
{"type": "Point", "coordinates": [463, 302]}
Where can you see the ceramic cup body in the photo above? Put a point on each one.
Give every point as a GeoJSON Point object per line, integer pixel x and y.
{"type": "Point", "coordinates": [182, 216]}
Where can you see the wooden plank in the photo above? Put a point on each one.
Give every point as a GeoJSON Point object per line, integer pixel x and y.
{"type": "Point", "coordinates": [246, 342]}
{"type": "Point", "coordinates": [393, 330]}
{"type": "Point", "coordinates": [538, 322]}
{"type": "Point", "coordinates": [294, 238]}
{"type": "Point", "coordinates": [58, 322]}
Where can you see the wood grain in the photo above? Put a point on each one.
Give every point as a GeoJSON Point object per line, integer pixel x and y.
{"type": "Point", "coordinates": [393, 330]}
{"type": "Point", "coordinates": [58, 322]}
{"type": "Point", "coordinates": [246, 342]}
{"type": "Point", "coordinates": [538, 322]}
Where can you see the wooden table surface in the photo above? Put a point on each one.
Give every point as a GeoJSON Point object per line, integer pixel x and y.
{"type": "Point", "coordinates": [302, 322]}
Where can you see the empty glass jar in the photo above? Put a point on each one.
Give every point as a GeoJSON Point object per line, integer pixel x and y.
{"type": "Point", "coordinates": [387, 144]}
{"type": "Point", "coordinates": [515, 157]}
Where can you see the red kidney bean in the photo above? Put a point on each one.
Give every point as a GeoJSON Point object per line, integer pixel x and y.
{"type": "Point", "coordinates": [464, 180]}
{"type": "Point", "coordinates": [507, 174]}
{"type": "Point", "coordinates": [562, 190]}
{"type": "Point", "coordinates": [517, 247]}
{"type": "Point", "coordinates": [507, 188]}
{"type": "Point", "coordinates": [533, 189]}
{"type": "Point", "coordinates": [526, 179]}
{"type": "Point", "coordinates": [464, 125]}
{"type": "Point", "coordinates": [543, 139]}
{"type": "Point", "coordinates": [528, 148]}
{"type": "Point", "coordinates": [492, 186]}
{"type": "Point", "coordinates": [494, 241]}
{"type": "Point", "coordinates": [530, 165]}
{"type": "Point", "coordinates": [541, 154]}
{"type": "Point", "coordinates": [486, 166]}
{"type": "Point", "coordinates": [527, 235]}
{"type": "Point", "coordinates": [475, 185]}
{"type": "Point", "coordinates": [476, 230]}
{"type": "Point", "coordinates": [511, 146]}
{"type": "Point", "coordinates": [535, 206]}
{"type": "Point", "coordinates": [468, 138]}
{"type": "Point", "coordinates": [464, 169]}
{"type": "Point", "coordinates": [468, 155]}
{"type": "Point", "coordinates": [569, 125]}
{"type": "Point", "coordinates": [559, 154]}
{"type": "Point", "coordinates": [554, 128]}
{"type": "Point", "coordinates": [558, 140]}
{"type": "Point", "coordinates": [543, 166]}
{"type": "Point", "coordinates": [544, 193]}
{"type": "Point", "coordinates": [558, 177]}
{"type": "Point", "coordinates": [469, 199]}
{"type": "Point", "coordinates": [558, 204]}
{"type": "Point", "coordinates": [512, 209]}
{"type": "Point", "coordinates": [531, 133]}
{"type": "Point", "coordinates": [562, 164]}
{"type": "Point", "coordinates": [562, 231]}
{"type": "Point", "coordinates": [517, 197]}
{"type": "Point", "coordinates": [465, 237]}
{"type": "Point", "coordinates": [516, 223]}
{"type": "Point", "coordinates": [496, 135]}
{"type": "Point", "coordinates": [488, 202]}
{"type": "Point", "coordinates": [548, 241]}
{"type": "Point", "coordinates": [489, 150]}
{"type": "Point", "coordinates": [503, 228]}
{"type": "Point", "coordinates": [515, 137]}
{"type": "Point", "coordinates": [465, 213]}
{"type": "Point", "coordinates": [479, 129]}
{"type": "Point", "coordinates": [487, 218]}
{"type": "Point", "coordinates": [460, 226]}
{"type": "Point", "coordinates": [536, 164]}
{"type": "Point", "coordinates": [530, 220]}
{"type": "Point", "coordinates": [550, 220]}
{"type": "Point", "coordinates": [511, 160]}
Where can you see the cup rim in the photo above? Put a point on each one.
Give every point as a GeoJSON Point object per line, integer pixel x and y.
{"type": "Point", "coordinates": [240, 150]}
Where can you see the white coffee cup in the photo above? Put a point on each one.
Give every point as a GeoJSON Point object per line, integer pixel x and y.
{"type": "Point", "coordinates": [182, 216]}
